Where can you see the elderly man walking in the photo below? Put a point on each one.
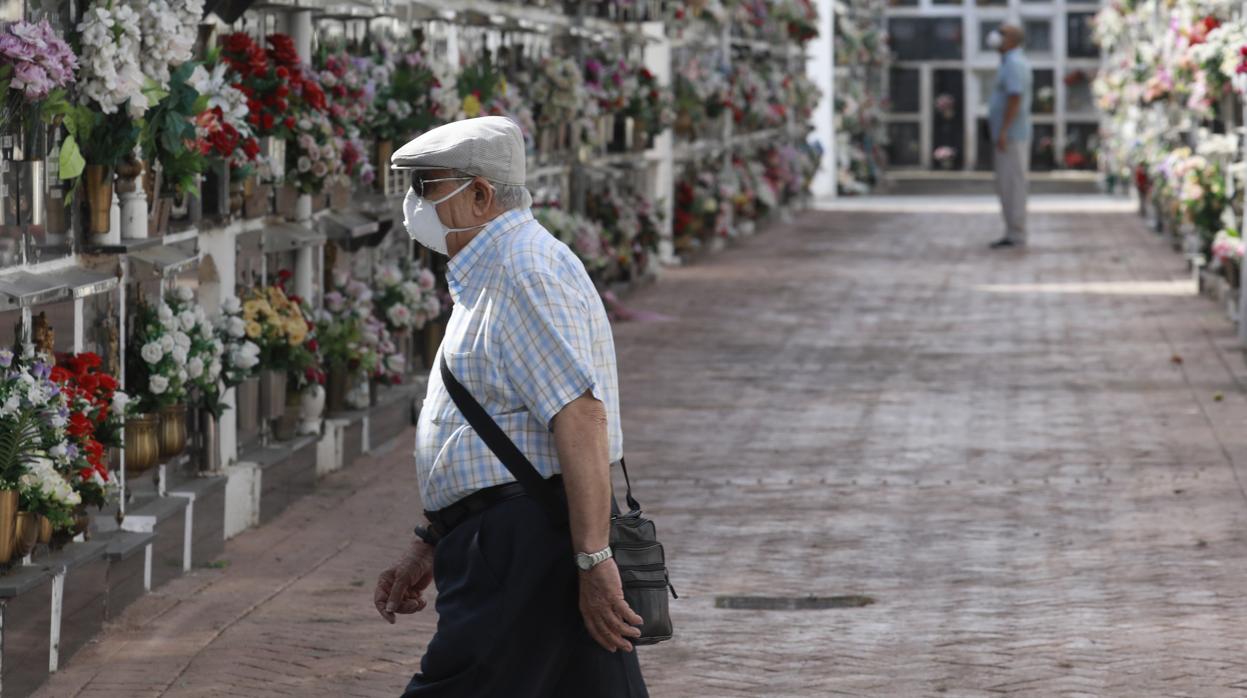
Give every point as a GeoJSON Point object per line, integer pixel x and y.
{"type": "Point", "coordinates": [528, 606]}
{"type": "Point", "coordinates": [1009, 120]}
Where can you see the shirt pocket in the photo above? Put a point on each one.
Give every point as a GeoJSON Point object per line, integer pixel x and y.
{"type": "Point", "coordinates": [481, 375]}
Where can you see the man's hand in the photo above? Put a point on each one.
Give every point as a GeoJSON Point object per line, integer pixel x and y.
{"type": "Point", "coordinates": [400, 589]}
{"type": "Point", "coordinates": [1002, 143]}
{"type": "Point", "coordinates": [607, 616]}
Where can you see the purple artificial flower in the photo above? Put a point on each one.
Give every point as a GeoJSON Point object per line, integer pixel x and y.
{"type": "Point", "coordinates": [41, 370]}
{"type": "Point", "coordinates": [6, 358]}
{"type": "Point", "coordinates": [71, 451]}
{"type": "Point", "coordinates": [32, 80]}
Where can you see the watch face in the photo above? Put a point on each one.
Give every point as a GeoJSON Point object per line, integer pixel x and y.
{"type": "Point", "coordinates": [584, 562]}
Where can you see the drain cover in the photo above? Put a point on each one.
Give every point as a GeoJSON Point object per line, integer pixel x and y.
{"type": "Point", "coordinates": [791, 603]}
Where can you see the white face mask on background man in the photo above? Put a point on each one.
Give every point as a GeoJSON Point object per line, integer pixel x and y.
{"type": "Point", "coordinates": [995, 39]}
{"type": "Point", "coordinates": [423, 224]}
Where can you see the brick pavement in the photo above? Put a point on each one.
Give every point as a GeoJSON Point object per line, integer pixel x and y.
{"type": "Point", "coordinates": [996, 447]}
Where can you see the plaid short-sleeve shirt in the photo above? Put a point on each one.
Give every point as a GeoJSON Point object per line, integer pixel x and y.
{"type": "Point", "coordinates": [528, 334]}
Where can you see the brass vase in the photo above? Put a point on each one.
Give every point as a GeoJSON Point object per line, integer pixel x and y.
{"type": "Point", "coordinates": [8, 524]}
{"type": "Point", "coordinates": [172, 430]}
{"type": "Point", "coordinates": [142, 442]}
{"type": "Point", "coordinates": [99, 183]}
{"type": "Point", "coordinates": [45, 529]}
{"type": "Point", "coordinates": [26, 533]}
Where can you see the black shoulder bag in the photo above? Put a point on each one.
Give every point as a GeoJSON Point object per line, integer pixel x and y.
{"type": "Point", "coordinates": [634, 539]}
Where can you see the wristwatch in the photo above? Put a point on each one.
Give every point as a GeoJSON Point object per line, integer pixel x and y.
{"type": "Point", "coordinates": [587, 561]}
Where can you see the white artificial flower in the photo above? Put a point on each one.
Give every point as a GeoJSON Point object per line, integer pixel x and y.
{"type": "Point", "coordinates": [164, 312]}
{"type": "Point", "coordinates": [231, 305]}
{"type": "Point", "coordinates": [152, 352]}
{"type": "Point", "coordinates": [214, 370]}
{"type": "Point", "coordinates": [182, 375]}
{"type": "Point", "coordinates": [11, 406]}
{"type": "Point", "coordinates": [181, 339]}
{"type": "Point", "coordinates": [185, 294]}
{"type": "Point", "coordinates": [236, 327]}
{"type": "Point", "coordinates": [195, 367]}
{"type": "Point", "coordinates": [187, 320]}
{"type": "Point", "coordinates": [158, 385]}
{"type": "Point", "coordinates": [167, 343]}
{"type": "Point", "coordinates": [179, 356]}
{"type": "Point", "coordinates": [120, 400]}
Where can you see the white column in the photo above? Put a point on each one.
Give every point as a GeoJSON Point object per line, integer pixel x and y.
{"type": "Point", "coordinates": [661, 183]}
{"type": "Point", "coordinates": [300, 23]}
{"type": "Point", "coordinates": [821, 67]}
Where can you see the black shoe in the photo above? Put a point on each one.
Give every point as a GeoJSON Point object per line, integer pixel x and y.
{"type": "Point", "coordinates": [1002, 243]}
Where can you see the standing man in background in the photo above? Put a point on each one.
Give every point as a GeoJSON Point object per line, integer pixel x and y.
{"type": "Point", "coordinates": [1010, 123]}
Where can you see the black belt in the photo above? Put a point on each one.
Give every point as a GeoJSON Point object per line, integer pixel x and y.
{"type": "Point", "coordinates": [446, 519]}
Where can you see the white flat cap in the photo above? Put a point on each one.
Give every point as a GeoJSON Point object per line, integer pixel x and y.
{"type": "Point", "coordinates": [489, 146]}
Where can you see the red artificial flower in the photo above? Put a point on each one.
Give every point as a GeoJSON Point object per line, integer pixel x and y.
{"type": "Point", "coordinates": [267, 121]}
{"type": "Point", "coordinates": [288, 122]}
{"type": "Point", "coordinates": [282, 72]}
{"type": "Point", "coordinates": [250, 148]}
{"type": "Point", "coordinates": [90, 359]}
{"type": "Point", "coordinates": [107, 382]}
{"type": "Point", "coordinates": [314, 96]}
{"type": "Point", "coordinates": [284, 275]}
{"type": "Point", "coordinates": [80, 426]}
{"type": "Point", "coordinates": [86, 473]}
{"type": "Point", "coordinates": [282, 51]}
{"type": "Point", "coordinates": [89, 382]}
{"type": "Point", "coordinates": [313, 345]}
{"type": "Point", "coordinates": [60, 374]}
{"type": "Point", "coordinates": [254, 118]}
{"type": "Point", "coordinates": [280, 104]}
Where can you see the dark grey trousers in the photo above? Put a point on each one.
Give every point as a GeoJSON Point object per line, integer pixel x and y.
{"type": "Point", "coordinates": [509, 623]}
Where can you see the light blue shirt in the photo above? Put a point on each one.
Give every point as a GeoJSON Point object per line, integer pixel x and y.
{"type": "Point", "coordinates": [1012, 78]}
{"type": "Point", "coordinates": [528, 334]}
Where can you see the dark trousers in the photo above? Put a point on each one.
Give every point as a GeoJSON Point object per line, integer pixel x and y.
{"type": "Point", "coordinates": [509, 622]}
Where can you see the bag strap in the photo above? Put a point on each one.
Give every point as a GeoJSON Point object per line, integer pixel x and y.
{"type": "Point", "coordinates": [501, 444]}
{"type": "Point", "coordinates": [506, 450]}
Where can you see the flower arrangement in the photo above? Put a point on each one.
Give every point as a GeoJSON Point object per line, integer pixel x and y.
{"type": "Point", "coordinates": [631, 225]}
{"type": "Point", "coordinates": [348, 92]}
{"type": "Point", "coordinates": [799, 17]}
{"type": "Point", "coordinates": [277, 87]}
{"type": "Point", "coordinates": [315, 155]}
{"type": "Point", "coordinates": [383, 362]}
{"type": "Point", "coordinates": [201, 375]}
{"type": "Point", "coordinates": [341, 323]}
{"type": "Point", "coordinates": [168, 29]}
{"type": "Point", "coordinates": [697, 213]}
{"type": "Point", "coordinates": [649, 104]}
{"type": "Point", "coordinates": [156, 374]}
{"type": "Point", "coordinates": [410, 96]}
{"type": "Point", "coordinates": [1228, 247]}
{"type": "Point", "coordinates": [112, 75]}
{"type": "Point", "coordinates": [558, 90]}
{"type": "Point", "coordinates": [274, 322]}
{"type": "Point", "coordinates": [240, 357]}
{"type": "Point", "coordinates": [35, 65]}
{"type": "Point", "coordinates": [221, 129]}
{"type": "Point", "coordinates": [405, 297]}
{"type": "Point", "coordinates": [96, 415]}
{"type": "Point", "coordinates": [945, 156]}
{"type": "Point", "coordinates": [701, 91]}
{"type": "Point", "coordinates": [946, 105]}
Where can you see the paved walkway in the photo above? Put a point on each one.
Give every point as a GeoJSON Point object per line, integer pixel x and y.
{"type": "Point", "coordinates": [1026, 459]}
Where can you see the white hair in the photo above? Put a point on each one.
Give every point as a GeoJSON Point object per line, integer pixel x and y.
{"type": "Point", "coordinates": [512, 196]}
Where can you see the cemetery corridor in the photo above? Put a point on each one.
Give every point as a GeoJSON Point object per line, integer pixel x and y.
{"type": "Point", "coordinates": [1021, 467]}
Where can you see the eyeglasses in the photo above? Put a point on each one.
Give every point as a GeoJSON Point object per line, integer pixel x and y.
{"type": "Point", "coordinates": [420, 185]}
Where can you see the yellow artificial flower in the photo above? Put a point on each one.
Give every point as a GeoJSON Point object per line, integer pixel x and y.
{"type": "Point", "coordinates": [253, 329]}
{"type": "Point", "coordinates": [297, 332]}
{"type": "Point", "coordinates": [249, 308]}
{"type": "Point", "coordinates": [471, 106]}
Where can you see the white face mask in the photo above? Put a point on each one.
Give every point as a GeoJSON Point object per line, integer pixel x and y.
{"type": "Point", "coordinates": [994, 40]}
{"type": "Point", "coordinates": [424, 225]}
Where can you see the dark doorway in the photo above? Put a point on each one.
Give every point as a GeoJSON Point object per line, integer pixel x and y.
{"type": "Point", "coordinates": [948, 119]}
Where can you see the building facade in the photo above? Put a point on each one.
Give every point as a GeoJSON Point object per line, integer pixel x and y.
{"type": "Point", "coordinates": [942, 74]}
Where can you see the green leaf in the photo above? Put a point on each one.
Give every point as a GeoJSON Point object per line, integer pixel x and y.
{"type": "Point", "coordinates": [71, 161]}
{"type": "Point", "coordinates": [201, 105]}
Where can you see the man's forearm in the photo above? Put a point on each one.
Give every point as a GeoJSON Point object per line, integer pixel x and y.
{"type": "Point", "coordinates": [581, 441]}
